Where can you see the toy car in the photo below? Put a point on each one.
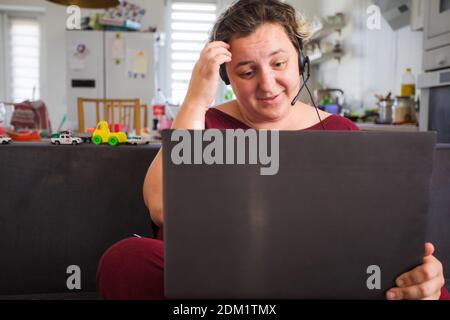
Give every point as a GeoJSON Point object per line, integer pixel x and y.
{"type": "Point", "coordinates": [137, 140]}
{"type": "Point", "coordinates": [102, 134]}
{"type": "Point", "coordinates": [5, 140]}
{"type": "Point", "coordinates": [25, 135]}
{"type": "Point", "coordinates": [65, 138]}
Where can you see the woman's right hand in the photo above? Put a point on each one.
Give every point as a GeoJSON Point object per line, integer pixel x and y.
{"type": "Point", "coordinates": [201, 93]}
{"type": "Point", "coordinates": [205, 76]}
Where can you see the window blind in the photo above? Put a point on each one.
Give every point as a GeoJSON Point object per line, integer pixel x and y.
{"type": "Point", "coordinates": [190, 25]}
{"type": "Point", "coordinates": [23, 55]}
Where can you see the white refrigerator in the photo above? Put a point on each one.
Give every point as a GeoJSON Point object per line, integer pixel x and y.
{"type": "Point", "coordinates": [109, 65]}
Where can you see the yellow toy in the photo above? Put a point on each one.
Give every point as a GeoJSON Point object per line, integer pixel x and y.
{"type": "Point", "coordinates": [103, 135]}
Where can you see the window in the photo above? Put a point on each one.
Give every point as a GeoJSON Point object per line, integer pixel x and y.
{"type": "Point", "coordinates": [21, 51]}
{"type": "Point", "coordinates": [189, 28]}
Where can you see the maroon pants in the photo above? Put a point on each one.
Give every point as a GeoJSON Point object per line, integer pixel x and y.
{"type": "Point", "coordinates": [134, 269]}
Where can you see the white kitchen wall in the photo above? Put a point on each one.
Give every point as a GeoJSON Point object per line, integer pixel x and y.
{"type": "Point", "coordinates": [53, 90]}
{"type": "Point", "coordinates": [375, 59]}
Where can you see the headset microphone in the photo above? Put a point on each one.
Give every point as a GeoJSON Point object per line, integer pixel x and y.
{"type": "Point", "coordinates": [312, 100]}
{"type": "Point", "coordinates": [305, 64]}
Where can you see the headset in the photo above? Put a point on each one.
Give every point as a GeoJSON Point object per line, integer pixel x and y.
{"type": "Point", "coordinates": [303, 64]}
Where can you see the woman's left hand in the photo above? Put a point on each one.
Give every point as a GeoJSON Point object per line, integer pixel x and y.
{"type": "Point", "coordinates": [423, 282]}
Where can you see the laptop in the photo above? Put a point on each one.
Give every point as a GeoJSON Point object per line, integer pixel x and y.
{"type": "Point", "coordinates": [343, 215]}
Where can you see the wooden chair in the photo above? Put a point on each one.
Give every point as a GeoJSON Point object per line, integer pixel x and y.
{"type": "Point", "coordinates": [125, 112]}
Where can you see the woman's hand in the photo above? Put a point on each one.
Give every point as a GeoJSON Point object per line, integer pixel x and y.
{"type": "Point", "coordinates": [205, 76]}
{"type": "Point", "coordinates": [423, 282]}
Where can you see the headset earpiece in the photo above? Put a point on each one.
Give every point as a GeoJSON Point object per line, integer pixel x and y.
{"type": "Point", "coordinates": [223, 74]}
{"type": "Point", "coordinates": [222, 69]}
{"type": "Point", "coordinates": [306, 66]}
{"type": "Point", "coordinates": [303, 63]}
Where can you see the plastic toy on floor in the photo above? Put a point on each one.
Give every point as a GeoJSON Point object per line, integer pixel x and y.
{"type": "Point", "coordinates": [135, 140]}
{"type": "Point", "coordinates": [25, 135]}
{"type": "Point", "coordinates": [65, 137]}
{"type": "Point", "coordinates": [5, 140]}
{"type": "Point", "coordinates": [102, 134]}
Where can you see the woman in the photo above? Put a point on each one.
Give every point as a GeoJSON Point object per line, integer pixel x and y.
{"type": "Point", "coordinates": [257, 41]}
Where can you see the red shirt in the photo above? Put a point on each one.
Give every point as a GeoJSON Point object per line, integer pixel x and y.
{"type": "Point", "coordinates": [216, 119]}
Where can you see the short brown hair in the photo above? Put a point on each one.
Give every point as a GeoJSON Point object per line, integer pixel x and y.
{"type": "Point", "coordinates": [243, 17]}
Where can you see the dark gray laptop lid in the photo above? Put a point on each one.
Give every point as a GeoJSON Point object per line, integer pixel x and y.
{"type": "Point", "coordinates": [341, 203]}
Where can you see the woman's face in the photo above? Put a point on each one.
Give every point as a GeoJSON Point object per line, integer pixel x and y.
{"type": "Point", "coordinates": [264, 73]}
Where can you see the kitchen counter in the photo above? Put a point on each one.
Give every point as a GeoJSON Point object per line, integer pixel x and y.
{"type": "Point", "coordinates": [388, 127]}
{"type": "Point", "coordinates": [45, 143]}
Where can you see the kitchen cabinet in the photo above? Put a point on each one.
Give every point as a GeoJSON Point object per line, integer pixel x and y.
{"type": "Point", "coordinates": [316, 60]}
{"type": "Point", "coordinates": [437, 58]}
{"type": "Point", "coordinates": [437, 30]}
{"type": "Point", "coordinates": [417, 15]}
{"type": "Point", "coordinates": [327, 26]}
{"type": "Point", "coordinates": [318, 49]}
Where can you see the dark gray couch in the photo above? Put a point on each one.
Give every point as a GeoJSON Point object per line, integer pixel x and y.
{"type": "Point", "coordinates": [65, 205]}
{"type": "Point", "coordinates": [439, 211]}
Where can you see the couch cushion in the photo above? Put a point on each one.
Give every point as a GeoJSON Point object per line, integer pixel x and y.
{"type": "Point", "coordinates": [439, 210]}
{"type": "Point", "coordinates": [65, 205]}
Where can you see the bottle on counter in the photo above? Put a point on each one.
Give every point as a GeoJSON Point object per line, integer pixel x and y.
{"type": "Point", "coordinates": [159, 104]}
{"type": "Point", "coordinates": [408, 86]}
{"type": "Point", "coordinates": [404, 111]}
{"type": "Point", "coordinates": [159, 110]}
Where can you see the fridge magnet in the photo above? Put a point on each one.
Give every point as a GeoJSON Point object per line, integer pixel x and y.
{"type": "Point", "coordinates": [78, 57]}
{"type": "Point", "coordinates": [137, 64]}
{"type": "Point", "coordinates": [118, 48]}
